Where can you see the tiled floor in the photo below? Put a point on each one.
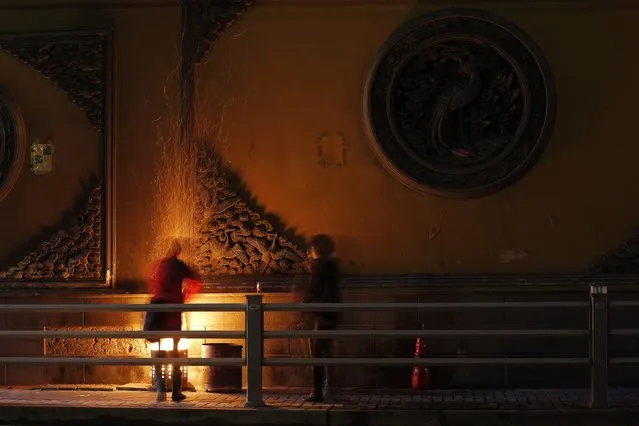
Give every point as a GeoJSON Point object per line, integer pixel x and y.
{"type": "Point", "coordinates": [522, 399]}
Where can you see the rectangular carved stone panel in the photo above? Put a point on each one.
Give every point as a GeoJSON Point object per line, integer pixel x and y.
{"type": "Point", "coordinates": [76, 248]}
{"type": "Point", "coordinates": [97, 347]}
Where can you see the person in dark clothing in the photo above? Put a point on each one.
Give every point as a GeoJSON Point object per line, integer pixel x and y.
{"type": "Point", "coordinates": [323, 288]}
{"type": "Point", "coordinates": [166, 285]}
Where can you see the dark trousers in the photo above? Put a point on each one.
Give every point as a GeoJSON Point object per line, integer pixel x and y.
{"type": "Point", "coordinates": [176, 371]}
{"type": "Point", "coordinates": [321, 348]}
{"type": "Point", "coordinates": [166, 321]}
{"type": "Point", "coordinates": [176, 374]}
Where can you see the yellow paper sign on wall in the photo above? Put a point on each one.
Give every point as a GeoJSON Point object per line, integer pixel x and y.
{"type": "Point", "coordinates": [41, 157]}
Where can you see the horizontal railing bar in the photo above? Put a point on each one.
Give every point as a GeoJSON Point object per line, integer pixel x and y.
{"type": "Point", "coordinates": [191, 334]}
{"type": "Point", "coordinates": [302, 361]}
{"type": "Point", "coordinates": [123, 361]}
{"type": "Point", "coordinates": [238, 307]}
{"type": "Point", "coordinates": [340, 307]}
{"type": "Point", "coordinates": [624, 360]}
{"type": "Point", "coordinates": [624, 331]}
{"type": "Point", "coordinates": [191, 307]}
{"type": "Point", "coordinates": [227, 334]}
{"type": "Point", "coordinates": [400, 362]}
{"type": "Point", "coordinates": [420, 333]}
{"type": "Point", "coordinates": [623, 303]}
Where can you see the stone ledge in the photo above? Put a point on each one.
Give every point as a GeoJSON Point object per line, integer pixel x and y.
{"type": "Point", "coordinates": [162, 415]}
{"type": "Point", "coordinates": [424, 283]}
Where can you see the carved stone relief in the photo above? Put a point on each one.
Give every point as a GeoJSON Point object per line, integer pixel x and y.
{"type": "Point", "coordinates": [208, 19]}
{"type": "Point", "coordinates": [460, 103]}
{"type": "Point", "coordinates": [73, 252]}
{"type": "Point", "coordinates": [621, 260]}
{"type": "Point", "coordinates": [233, 237]}
{"type": "Point", "coordinates": [76, 64]}
{"type": "Point", "coordinates": [12, 145]}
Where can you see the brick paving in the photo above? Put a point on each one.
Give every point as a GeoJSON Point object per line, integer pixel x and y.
{"type": "Point", "coordinates": [518, 399]}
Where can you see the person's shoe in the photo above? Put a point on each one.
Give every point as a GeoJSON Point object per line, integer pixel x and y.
{"type": "Point", "coordinates": [161, 397]}
{"type": "Point", "coordinates": [314, 397]}
{"type": "Point", "coordinates": [177, 394]}
{"type": "Point", "coordinates": [177, 397]}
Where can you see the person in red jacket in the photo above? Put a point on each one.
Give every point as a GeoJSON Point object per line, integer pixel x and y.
{"type": "Point", "coordinates": [171, 281]}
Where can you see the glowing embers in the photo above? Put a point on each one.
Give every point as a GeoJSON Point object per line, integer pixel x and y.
{"type": "Point", "coordinates": [164, 349]}
{"type": "Point", "coordinates": [167, 345]}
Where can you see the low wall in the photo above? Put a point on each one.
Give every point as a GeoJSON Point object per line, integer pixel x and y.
{"type": "Point", "coordinates": [443, 377]}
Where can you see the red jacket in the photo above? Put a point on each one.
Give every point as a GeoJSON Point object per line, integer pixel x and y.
{"type": "Point", "coordinates": [167, 278]}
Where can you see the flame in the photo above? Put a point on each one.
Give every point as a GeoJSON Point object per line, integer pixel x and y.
{"type": "Point", "coordinates": [167, 345]}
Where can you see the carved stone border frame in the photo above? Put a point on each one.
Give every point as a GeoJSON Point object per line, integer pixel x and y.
{"type": "Point", "coordinates": [103, 124]}
{"type": "Point", "coordinates": [21, 145]}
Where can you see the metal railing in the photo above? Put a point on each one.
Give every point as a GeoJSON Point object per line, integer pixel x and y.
{"type": "Point", "coordinates": [254, 336]}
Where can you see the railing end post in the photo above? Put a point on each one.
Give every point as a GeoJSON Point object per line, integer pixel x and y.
{"type": "Point", "coordinates": [598, 346]}
{"type": "Point", "coordinates": [254, 350]}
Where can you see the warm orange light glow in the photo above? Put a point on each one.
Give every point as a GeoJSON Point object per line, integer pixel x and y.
{"type": "Point", "coordinates": [167, 345]}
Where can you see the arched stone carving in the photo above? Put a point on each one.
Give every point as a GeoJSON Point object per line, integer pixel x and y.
{"type": "Point", "coordinates": [460, 103]}
{"type": "Point", "coordinates": [12, 145]}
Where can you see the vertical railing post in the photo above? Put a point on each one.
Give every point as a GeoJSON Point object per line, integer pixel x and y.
{"type": "Point", "coordinates": [598, 346]}
{"type": "Point", "coordinates": [254, 350]}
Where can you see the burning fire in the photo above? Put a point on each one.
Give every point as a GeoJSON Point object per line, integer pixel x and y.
{"type": "Point", "coordinates": [167, 345]}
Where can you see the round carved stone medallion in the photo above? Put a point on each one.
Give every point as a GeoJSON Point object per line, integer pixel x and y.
{"type": "Point", "coordinates": [12, 145]}
{"type": "Point", "coordinates": [460, 103]}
